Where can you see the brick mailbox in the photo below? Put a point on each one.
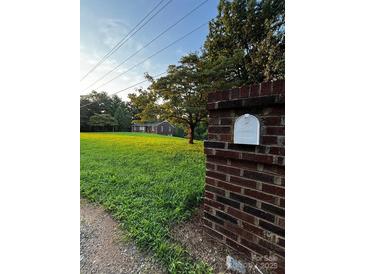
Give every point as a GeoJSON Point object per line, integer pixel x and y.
{"type": "Point", "coordinates": [245, 185]}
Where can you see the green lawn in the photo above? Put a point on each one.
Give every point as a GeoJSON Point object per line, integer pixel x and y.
{"type": "Point", "coordinates": [148, 182]}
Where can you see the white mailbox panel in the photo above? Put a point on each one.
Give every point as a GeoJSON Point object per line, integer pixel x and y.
{"type": "Point", "coordinates": [247, 130]}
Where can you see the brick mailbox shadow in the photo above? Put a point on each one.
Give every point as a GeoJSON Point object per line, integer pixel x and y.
{"type": "Point", "coordinates": [244, 204]}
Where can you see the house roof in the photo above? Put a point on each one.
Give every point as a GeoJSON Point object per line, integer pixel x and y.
{"type": "Point", "coordinates": [149, 124]}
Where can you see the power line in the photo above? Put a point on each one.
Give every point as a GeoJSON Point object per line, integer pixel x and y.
{"type": "Point", "coordinates": [169, 45]}
{"type": "Point", "coordinates": [146, 45]}
{"type": "Point", "coordinates": [126, 38]}
{"type": "Point", "coordinates": [157, 75]}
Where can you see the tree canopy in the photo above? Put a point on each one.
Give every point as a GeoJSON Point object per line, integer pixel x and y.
{"type": "Point", "coordinates": [183, 93]}
{"type": "Point", "coordinates": [96, 104]}
{"type": "Point", "coordinates": [245, 43]}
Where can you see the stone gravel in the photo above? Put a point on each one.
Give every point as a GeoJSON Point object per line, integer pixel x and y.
{"type": "Point", "coordinates": [104, 247]}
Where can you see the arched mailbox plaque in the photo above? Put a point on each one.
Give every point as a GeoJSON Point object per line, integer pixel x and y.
{"type": "Point", "coordinates": [247, 130]}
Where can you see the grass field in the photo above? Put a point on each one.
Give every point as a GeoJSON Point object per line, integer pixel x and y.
{"type": "Point", "coordinates": [149, 183]}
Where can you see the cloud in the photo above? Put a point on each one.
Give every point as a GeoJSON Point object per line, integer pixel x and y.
{"type": "Point", "coordinates": [108, 32]}
{"type": "Point", "coordinates": [88, 60]}
{"type": "Point", "coordinates": [111, 31]}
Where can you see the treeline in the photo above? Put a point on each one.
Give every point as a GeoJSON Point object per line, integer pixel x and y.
{"type": "Point", "coordinates": [101, 112]}
{"type": "Point", "coordinates": [245, 45]}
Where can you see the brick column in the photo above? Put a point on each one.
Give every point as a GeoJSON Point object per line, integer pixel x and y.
{"type": "Point", "coordinates": [245, 186]}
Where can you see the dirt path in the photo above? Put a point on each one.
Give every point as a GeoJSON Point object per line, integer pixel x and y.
{"type": "Point", "coordinates": [200, 246]}
{"type": "Point", "coordinates": [103, 249]}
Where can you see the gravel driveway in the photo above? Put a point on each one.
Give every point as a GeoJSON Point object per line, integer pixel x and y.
{"type": "Point", "coordinates": [104, 249]}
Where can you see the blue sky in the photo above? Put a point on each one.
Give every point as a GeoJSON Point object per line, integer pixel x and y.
{"type": "Point", "coordinates": [104, 23]}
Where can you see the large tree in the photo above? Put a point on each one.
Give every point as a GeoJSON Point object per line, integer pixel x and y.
{"type": "Point", "coordinates": [144, 105]}
{"type": "Point", "coordinates": [102, 121]}
{"type": "Point", "coordinates": [245, 43]}
{"type": "Point", "coordinates": [183, 93]}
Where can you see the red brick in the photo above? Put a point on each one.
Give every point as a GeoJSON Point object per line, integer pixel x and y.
{"type": "Point", "coordinates": [275, 130]}
{"type": "Point", "coordinates": [227, 154]}
{"type": "Point", "coordinates": [243, 182]}
{"type": "Point", "coordinates": [282, 203]}
{"type": "Point", "coordinates": [216, 160]}
{"type": "Point", "coordinates": [226, 121]}
{"type": "Point", "coordinates": [263, 177]}
{"type": "Point", "coordinates": [219, 129]}
{"type": "Point", "coordinates": [262, 168]}
{"type": "Point", "coordinates": [274, 169]}
{"type": "Point", "coordinates": [271, 120]}
{"type": "Point", "coordinates": [220, 113]}
{"type": "Point", "coordinates": [209, 181]}
{"type": "Point", "coordinates": [208, 195]}
{"type": "Point", "coordinates": [277, 150]}
{"type": "Point", "coordinates": [228, 186]}
{"type": "Point", "coordinates": [229, 170]}
{"type": "Point", "coordinates": [210, 166]}
{"type": "Point", "coordinates": [208, 209]}
{"type": "Point", "coordinates": [280, 160]}
{"type": "Point", "coordinates": [213, 121]}
{"type": "Point", "coordinates": [260, 195]}
{"type": "Point", "coordinates": [281, 242]}
{"type": "Point", "coordinates": [226, 232]}
{"type": "Point", "coordinates": [214, 190]}
{"type": "Point", "coordinates": [279, 191]}
{"type": "Point", "coordinates": [239, 231]}
{"type": "Point", "coordinates": [269, 140]}
{"type": "Point", "coordinates": [243, 164]}
{"type": "Point", "coordinates": [253, 229]}
{"type": "Point", "coordinates": [214, 204]}
{"type": "Point", "coordinates": [281, 222]}
{"type": "Point", "coordinates": [225, 137]}
{"type": "Point", "coordinates": [260, 158]}
{"type": "Point", "coordinates": [216, 175]}
{"type": "Point", "coordinates": [273, 111]}
{"type": "Point", "coordinates": [241, 215]}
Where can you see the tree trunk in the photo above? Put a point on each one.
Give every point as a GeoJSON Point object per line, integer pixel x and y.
{"type": "Point", "coordinates": [191, 134]}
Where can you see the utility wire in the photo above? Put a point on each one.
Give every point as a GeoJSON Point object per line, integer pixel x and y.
{"type": "Point", "coordinates": [146, 45]}
{"type": "Point", "coordinates": [126, 38]}
{"type": "Point", "coordinates": [149, 57]}
{"type": "Point", "coordinates": [157, 75]}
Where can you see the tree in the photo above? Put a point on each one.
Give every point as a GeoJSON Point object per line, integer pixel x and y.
{"type": "Point", "coordinates": [183, 94]}
{"type": "Point", "coordinates": [123, 118]}
{"type": "Point", "coordinates": [246, 43]}
{"type": "Point", "coordinates": [144, 105]}
{"type": "Point", "coordinates": [102, 121]}
{"type": "Point", "coordinates": [101, 103]}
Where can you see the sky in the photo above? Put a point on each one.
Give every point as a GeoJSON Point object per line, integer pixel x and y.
{"type": "Point", "coordinates": [104, 23]}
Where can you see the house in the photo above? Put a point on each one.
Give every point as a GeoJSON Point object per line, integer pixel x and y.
{"type": "Point", "coordinates": [163, 127]}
